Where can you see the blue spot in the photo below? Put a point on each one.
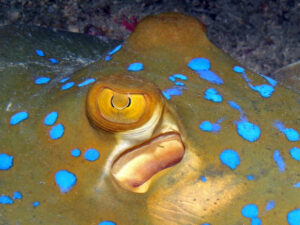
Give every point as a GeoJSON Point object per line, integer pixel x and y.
{"type": "Point", "coordinates": [293, 217]}
{"type": "Point", "coordinates": [39, 52]}
{"type": "Point", "coordinates": [64, 80]}
{"type": "Point", "coordinates": [250, 177]}
{"type": "Point", "coordinates": [270, 80]}
{"type": "Point", "coordinates": [171, 78]}
{"type": "Point", "coordinates": [297, 185]}
{"type": "Point", "coordinates": [6, 161]}
{"type": "Point", "coordinates": [203, 179]}
{"type": "Point", "coordinates": [250, 211]}
{"type": "Point", "coordinates": [57, 131]}
{"type": "Point", "coordinates": [279, 161]}
{"type": "Point", "coordinates": [255, 221]}
{"type": "Point", "coordinates": [171, 91]}
{"type": "Point", "coordinates": [205, 224]}
{"type": "Point", "coordinates": [116, 49]}
{"type": "Point", "coordinates": [17, 195]}
{"type": "Point", "coordinates": [42, 80]}
{"type": "Point", "coordinates": [87, 82]}
{"type": "Point", "coordinates": [230, 158]}
{"type": "Point", "coordinates": [135, 67]}
{"type": "Point", "coordinates": [107, 58]}
{"type": "Point", "coordinates": [106, 223]}
{"type": "Point", "coordinates": [211, 94]}
{"type": "Point", "coordinates": [6, 200]}
{"type": "Point", "coordinates": [295, 153]}
{"type": "Point", "coordinates": [238, 69]}
{"type": "Point", "coordinates": [65, 180]}
{"type": "Point", "coordinates": [18, 117]}
{"type": "Point", "coordinates": [270, 205]}
{"type": "Point", "coordinates": [76, 152]}
{"type": "Point", "coordinates": [91, 154]}
{"type": "Point", "coordinates": [50, 119]}
{"type": "Point", "coordinates": [67, 85]}
{"type": "Point", "coordinates": [290, 133]}
{"type": "Point", "coordinates": [264, 90]}
{"type": "Point", "coordinates": [235, 106]}
{"type": "Point", "coordinates": [35, 204]}
{"type": "Point", "coordinates": [248, 131]}
{"type": "Point", "coordinates": [179, 83]}
{"type": "Point", "coordinates": [54, 61]}
{"type": "Point", "coordinates": [180, 76]}
{"type": "Point", "coordinates": [199, 64]}
{"type": "Point", "coordinates": [210, 76]}
{"type": "Point", "coordinates": [210, 127]}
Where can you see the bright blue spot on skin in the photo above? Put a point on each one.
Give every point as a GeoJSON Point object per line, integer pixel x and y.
{"type": "Point", "coordinates": [39, 52]}
{"type": "Point", "coordinates": [255, 221]}
{"type": "Point", "coordinates": [264, 90]}
{"type": "Point", "coordinates": [238, 69]}
{"type": "Point", "coordinates": [6, 161]}
{"type": "Point", "coordinates": [64, 80]}
{"type": "Point", "coordinates": [35, 204]}
{"type": "Point", "coordinates": [211, 94]}
{"type": "Point", "coordinates": [250, 177]}
{"type": "Point", "coordinates": [17, 195]}
{"type": "Point", "coordinates": [76, 152]}
{"type": "Point", "coordinates": [115, 50]}
{"type": "Point", "coordinates": [199, 64]}
{"type": "Point", "coordinates": [67, 85]}
{"type": "Point", "coordinates": [248, 131]}
{"type": "Point", "coordinates": [54, 61]}
{"type": "Point", "coordinates": [65, 180]}
{"type": "Point", "coordinates": [210, 76]}
{"type": "Point", "coordinates": [179, 83]}
{"type": "Point", "coordinates": [171, 91]}
{"type": "Point", "coordinates": [87, 82]}
{"type": "Point", "coordinates": [270, 205]}
{"type": "Point", "coordinates": [295, 153]}
{"type": "Point", "coordinates": [6, 200]}
{"type": "Point", "coordinates": [203, 179]}
{"type": "Point", "coordinates": [290, 133]}
{"type": "Point", "coordinates": [235, 106]}
{"type": "Point", "coordinates": [107, 58]}
{"type": "Point", "coordinates": [106, 223]}
{"type": "Point", "coordinates": [270, 80]}
{"type": "Point", "coordinates": [171, 78]}
{"type": "Point", "coordinates": [91, 154]}
{"type": "Point", "coordinates": [279, 161]}
{"type": "Point", "coordinates": [180, 76]}
{"type": "Point", "coordinates": [293, 217]}
{"type": "Point", "coordinates": [210, 127]}
{"type": "Point", "coordinates": [297, 185]}
{"type": "Point", "coordinates": [57, 131]}
{"type": "Point", "coordinates": [135, 67]}
{"type": "Point", "coordinates": [250, 211]}
{"type": "Point", "coordinates": [230, 158]}
{"type": "Point", "coordinates": [42, 80]}
{"type": "Point", "coordinates": [18, 117]}
{"type": "Point", "coordinates": [50, 119]}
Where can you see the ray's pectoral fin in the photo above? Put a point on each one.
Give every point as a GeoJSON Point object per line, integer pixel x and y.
{"type": "Point", "coordinates": [137, 165]}
{"type": "Point", "coordinates": [148, 137]}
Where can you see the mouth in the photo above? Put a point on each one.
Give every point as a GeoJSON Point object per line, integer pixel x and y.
{"type": "Point", "coordinates": [133, 169]}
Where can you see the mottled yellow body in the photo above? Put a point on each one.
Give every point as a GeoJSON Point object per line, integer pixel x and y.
{"type": "Point", "coordinates": [165, 44]}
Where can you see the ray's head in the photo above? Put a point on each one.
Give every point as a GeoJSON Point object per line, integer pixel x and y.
{"type": "Point", "coordinates": [149, 138]}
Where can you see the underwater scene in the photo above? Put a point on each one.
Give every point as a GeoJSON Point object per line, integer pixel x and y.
{"type": "Point", "coordinates": [164, 128]}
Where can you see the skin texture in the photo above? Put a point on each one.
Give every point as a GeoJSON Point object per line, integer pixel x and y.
{"type": "Point", "coordinates": [165, 44]}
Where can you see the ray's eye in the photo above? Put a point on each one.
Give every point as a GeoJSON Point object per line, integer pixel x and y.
{"type": "Point", "coordinates": [115, 109]}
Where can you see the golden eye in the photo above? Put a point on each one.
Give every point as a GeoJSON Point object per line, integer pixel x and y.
{"type": "Point", "coordinates": [115, 107]}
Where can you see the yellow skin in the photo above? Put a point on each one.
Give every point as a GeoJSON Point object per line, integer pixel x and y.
{"type": "Point", "coordinates": [176, 195]}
